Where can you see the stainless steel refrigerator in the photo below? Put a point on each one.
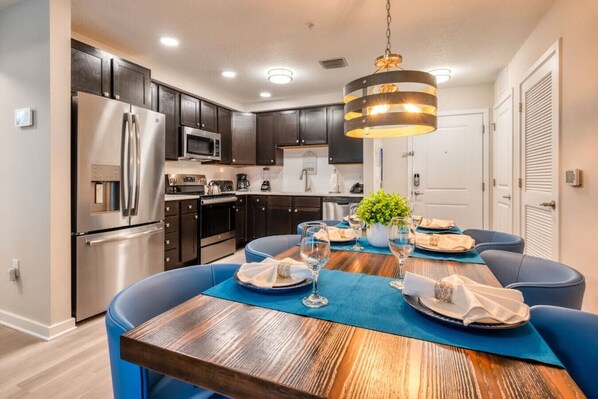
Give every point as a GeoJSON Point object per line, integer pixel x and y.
{"type": "Point", "coordinates": [118, 199]}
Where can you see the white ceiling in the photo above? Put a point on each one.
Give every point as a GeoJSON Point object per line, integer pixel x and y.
{"type": "Point", "coordinates": [474, 38]}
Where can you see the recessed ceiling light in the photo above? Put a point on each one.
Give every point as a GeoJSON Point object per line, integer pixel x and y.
{"type": "Point", "coordinates": [229, 74]}
{"type": "Point", "coordinates": [169, 41]}
{"type": "Point", "coordinates": [442, 75]}
{"type": "Point", "coordinates": [265, 94]}
{"type": "Point", "coordinates": [280, 76]}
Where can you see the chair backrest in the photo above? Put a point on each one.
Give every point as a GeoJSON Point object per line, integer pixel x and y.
{"type": "Point", "coordinates": [262, 248]}
{"type": "Point", "coordinates": [328, 223]}
{"type": "Point", "coordinates": [542, 281]}
{"type": "Point", "coordinates": [571, 334]}
{"type": "Point", "coordinates": [488, 239]}
{"type": "Point", "coordinates": [144, 300]}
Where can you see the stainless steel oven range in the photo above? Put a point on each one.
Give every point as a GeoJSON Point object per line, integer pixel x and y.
{"type": "Point", "coordinates": [216, 215]}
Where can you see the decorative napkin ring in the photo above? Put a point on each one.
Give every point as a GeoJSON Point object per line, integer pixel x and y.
{"type": "Point", "coordinates": [443, 291]}
{"type": "Point", "coordinates": [284, 269]}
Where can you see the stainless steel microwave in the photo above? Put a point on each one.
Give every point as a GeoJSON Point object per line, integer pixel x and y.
{"type": "Point", "coordinates": [199, 145]}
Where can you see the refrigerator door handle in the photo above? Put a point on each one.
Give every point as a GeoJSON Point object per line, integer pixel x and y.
{"type": "Point", "coordinates": [92, 243]}
{"type": "Point", "coordinates": [135, 208]}
{"type": "Point", "coordinates": [125, 161]}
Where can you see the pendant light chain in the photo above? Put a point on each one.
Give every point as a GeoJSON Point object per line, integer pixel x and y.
{"type": "Point", "coordinates": [387, 52]}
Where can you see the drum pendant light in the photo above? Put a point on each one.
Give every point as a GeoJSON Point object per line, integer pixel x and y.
{"type": "Point", "coordinates": [391, 102]}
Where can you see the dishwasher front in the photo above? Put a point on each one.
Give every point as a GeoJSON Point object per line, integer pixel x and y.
{"type": "Point", "coordinates": [336, 208]}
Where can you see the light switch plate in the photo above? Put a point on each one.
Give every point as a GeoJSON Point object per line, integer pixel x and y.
{"type": "Point", "coordinates": [23, 117]}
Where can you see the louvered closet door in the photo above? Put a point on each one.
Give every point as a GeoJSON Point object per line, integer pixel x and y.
{"type": "Point", "coordinates": [539, 163]}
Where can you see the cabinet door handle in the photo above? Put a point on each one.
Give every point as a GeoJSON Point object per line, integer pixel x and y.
{"type": "Point", "coordinates": [257, 200]}
{"type": "Point", "coordinates": [289, 210]}
{"type": "Point", "coordinates": [303, 141]}
{"type": "Point", "coordinates": [203, 125]}
{"type": "Point", "coordinates": [167, 225]}
{"type": "Point", "coordinates": [237, 210]}
{"type": "Point", "coordinates": [263, 209]}
{"type": "Point", "coordinates": [197, 123]}
{"type": "Point", "coordinates": [331, 158]}
{"type": "Point", "coordinates": [167, 208]}
{"type": "Point", "coordinates": [195, 217]}
{"type": "Point", "coordinates": [167, 260]}
{"type": "Point", "coordinates": [167, 242]}
{"type": "Point", "coordinates": [297, 141]}
{"type": "Point", "coordinates": [116, 96]}
{"type": "Point", "coordinates": [190, 206]}
{"type": "Point", "coordinates": [106, 94]}
{"type": "Point", "coordinates": [234, 160]}
{"type": "Point", "coordinates": [295, 210]}
{"type": "Point", "coordinates": [272, 160]}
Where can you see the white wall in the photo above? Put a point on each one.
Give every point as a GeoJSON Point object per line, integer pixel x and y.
{"type": "Point", "coordinates": [449, 100]}
{"type": "Point", "coordinates": [35, 166]}
{"type": "Point", "coordinates": [576, 23]}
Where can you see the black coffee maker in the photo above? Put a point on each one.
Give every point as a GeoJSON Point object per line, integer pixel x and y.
{"type": "Point", "coordinates": [242, 182]}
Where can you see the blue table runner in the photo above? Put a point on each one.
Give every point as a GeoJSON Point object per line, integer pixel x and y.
{"type": "Point", "coordinates": [369, 302]}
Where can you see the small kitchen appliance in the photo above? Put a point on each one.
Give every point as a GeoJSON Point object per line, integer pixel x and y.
{"type": "Point", "coordinates": [265, 180]}
{"type": "Point", "coordinates": [242, 182]}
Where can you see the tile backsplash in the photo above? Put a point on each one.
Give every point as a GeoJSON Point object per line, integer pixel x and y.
{"type": "Point", "coordinates": [282, 178]}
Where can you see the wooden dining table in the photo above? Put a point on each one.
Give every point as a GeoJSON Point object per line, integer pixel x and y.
{"type": "Point", "coordinates": [245, 351]}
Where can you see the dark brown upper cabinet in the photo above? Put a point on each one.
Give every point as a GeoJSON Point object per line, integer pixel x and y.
{"type": "Point", "coordinates": [341, 149]}
{"type": "Point", "coordinates": [288, 128]}
{"type": "Point", "coordinates": [90, 70]}
{"type": "Point", "coordinates": [168, 99]}
{"type": "Point", "coordinates": [131, 83]}
{"type": "Point", "coordinates": [190, 107]}
{"type": "Point", "coordinates": [225, 128]}
{"type": "Point", "coordinates": [313, 126]}
{"type": "Point", "coordinates": [208, 117]}
{"type": "Point", "coordinates": [154, 96]}
{"type": "Point", "coordinates": [244, 138]}
{"type": "Point", "coordinates": [266, 151]}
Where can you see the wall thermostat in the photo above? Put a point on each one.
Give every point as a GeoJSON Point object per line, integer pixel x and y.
{"type": "Point", "coordinates": [573, 177]}
{"type": "Point", "coordinates": [23, 117]}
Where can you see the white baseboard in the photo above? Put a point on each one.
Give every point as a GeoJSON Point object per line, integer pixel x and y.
{"type": "Point", "coordinates": [35, 328]}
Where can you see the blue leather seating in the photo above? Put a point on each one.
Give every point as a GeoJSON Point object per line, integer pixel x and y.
{"type": "Point", "coordinates": [142, 301]}
{"type": "Point", "coordinates": [488, 239]}
{"type": "Point", "coordinates": [266, 247]}
{"type": "Point", "coordinates": [328, 223]}
{"type": "Point", "coordinates": [571, 334]}
{"type": "Point", "coordinates": [542, 281]}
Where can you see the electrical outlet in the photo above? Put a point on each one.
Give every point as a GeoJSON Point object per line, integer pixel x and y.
{"type": "Point", "coordinates": [14, 271]}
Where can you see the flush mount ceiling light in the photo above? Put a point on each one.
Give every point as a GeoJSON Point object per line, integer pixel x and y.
{"type": "Point", "coordinates": [391, 102]}
{"type": "Point", "coordinates": [280, 76]}
{"type": "Point", "coordinates": [229, 74]}
{"type": "Point", "coordinates": [442, 75]}
{"type": "Point", "coordinates": [265, 94]}
{"type": "Point", "coordinates": [169, 41]}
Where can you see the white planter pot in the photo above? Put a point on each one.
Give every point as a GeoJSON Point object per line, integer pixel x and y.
{"type": "Point", "coordinates": [378, 235]}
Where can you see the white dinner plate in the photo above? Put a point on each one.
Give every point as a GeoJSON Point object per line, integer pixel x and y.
{"type": "Point", "coordinates": [445, 251]}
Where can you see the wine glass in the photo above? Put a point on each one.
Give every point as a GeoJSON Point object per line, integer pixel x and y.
{"type": "Point", "coordinates": [401, 241]}
{"type": "Point", "coordinates": [308, 225]}
{"type": "Point", "coordinates": [315, 252]}
{"type": "Point", "coordinates": [357, 225]}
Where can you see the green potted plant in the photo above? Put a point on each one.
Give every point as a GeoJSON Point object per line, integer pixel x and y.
{"type": "Point", "coordinates": [377, 211]}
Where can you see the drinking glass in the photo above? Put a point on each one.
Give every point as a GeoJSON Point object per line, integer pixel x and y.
{"type": "Point", "coordinates": [315, 224]}
{"type": "Point", "coordinates": [315, 252]}
{"type": "Point", "coordinates": [357, 225]}
{"type": "Point", "coordinates": [401, 241]}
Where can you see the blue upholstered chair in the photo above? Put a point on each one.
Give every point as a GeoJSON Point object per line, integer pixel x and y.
{"type": "Point", "coordinates": [571, 334]}
{"type": "Point", "coordinates": [142, 301]}
{"type": "Point", "coordinates": [542, 281]}
{"type": "Point", "coordinates": [262, 248]}
{"type": "Point", "coordinates": [488, 239]}
{"type": "Point", "coordinates": [328, 223]}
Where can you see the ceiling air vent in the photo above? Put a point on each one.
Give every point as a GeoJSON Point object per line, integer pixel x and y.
{"type": "Point", "coordinates": [334, 63]}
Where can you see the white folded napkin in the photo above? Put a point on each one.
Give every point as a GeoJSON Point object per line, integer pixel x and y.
{"type": "Point", "coordinates": [336, 234]}
{"type": "Point", "coordinates": [437, 223]}
{"type": "Point", "coordinates": [447, 242]}
{"type": "Point", "coordinates": [268, 274]}
{"type": "Point", "coordinates": [469, 301]}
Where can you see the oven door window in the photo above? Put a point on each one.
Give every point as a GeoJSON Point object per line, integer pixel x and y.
{"type": "Point", "coordinates": [200, 145]}
{"type": "Point", "coordinates": [217, 219]}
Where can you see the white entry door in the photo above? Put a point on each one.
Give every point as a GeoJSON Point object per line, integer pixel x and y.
{"type": "Point", "coordinates": [539, 158]}
{"type": "Point", "coordinates": [502, 155]}
{"type": "Point", "coordinates": [449, 165]}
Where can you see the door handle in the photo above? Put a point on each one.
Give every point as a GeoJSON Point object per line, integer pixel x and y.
{"type": "Point", "coordinates": [137, 161]}
{"type": "Point", "coordinates": [506, 197]}
{"type": "Point", "coordinates": [551, 204]}
{"type": "Point", "coordinates": [92, 243]}
{"type": "Point", "coordinates": [417, 193]}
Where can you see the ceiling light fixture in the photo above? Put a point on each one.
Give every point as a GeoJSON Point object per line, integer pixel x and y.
{"type": "Point", "coordinates": [442, 75]}
{"type": "Point", "coordinates": [169, 41]}
{"type": "Point", "coordinates": [265, 94]}
{"type": "Point", "coordinates": [229, 74]}
{"type": "Point", "coordinates": [280, 76]}
{"type": "Point", "coordinates": [391, 102]}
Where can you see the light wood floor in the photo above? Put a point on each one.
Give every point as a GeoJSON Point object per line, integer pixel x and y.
{"type": "Point", "coordinates": [75, 365]}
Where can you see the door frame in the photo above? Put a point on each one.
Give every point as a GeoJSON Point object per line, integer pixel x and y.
{"type": "Point", "coordinates": [485, 159]}
{"type": "Point", "coordinates": [553, 50]}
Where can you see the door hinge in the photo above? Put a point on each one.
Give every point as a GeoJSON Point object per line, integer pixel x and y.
{"type": "Point", "coordinates": [493, 182]}
{"type": "Point", "coordinates": [408, 154]}
{"type": "Point", "coordinates": [483, 186]}
{"type": "Point", "coordinates": [520, 182]}
{"type": "Point", "coordinates": [493, 126]}
{"type": "Point", "coordinates": [520, 107]}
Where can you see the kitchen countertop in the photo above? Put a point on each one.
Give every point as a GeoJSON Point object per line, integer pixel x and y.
{"type": "Point", "coordinates": [179, 197]}
{"type": "Point", "coordinates": [298, 193]}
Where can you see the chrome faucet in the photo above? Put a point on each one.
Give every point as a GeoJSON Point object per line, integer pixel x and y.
{"type": "Point", "coordinates": [304, 172]}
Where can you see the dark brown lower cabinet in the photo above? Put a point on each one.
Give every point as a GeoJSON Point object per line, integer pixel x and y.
{"type": "Point", "coordinates": [306, 209]}
{"type": "Point", "coordinates": [188, 237]}
{"type": "Point", "coordinates": [279, 215]}
{"type": "Point", "coordinates": [180, 233]}
{"type": "Point", "coordinates": [241, 219]}
{"type": "Point", "coordinates": [256, 216]}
